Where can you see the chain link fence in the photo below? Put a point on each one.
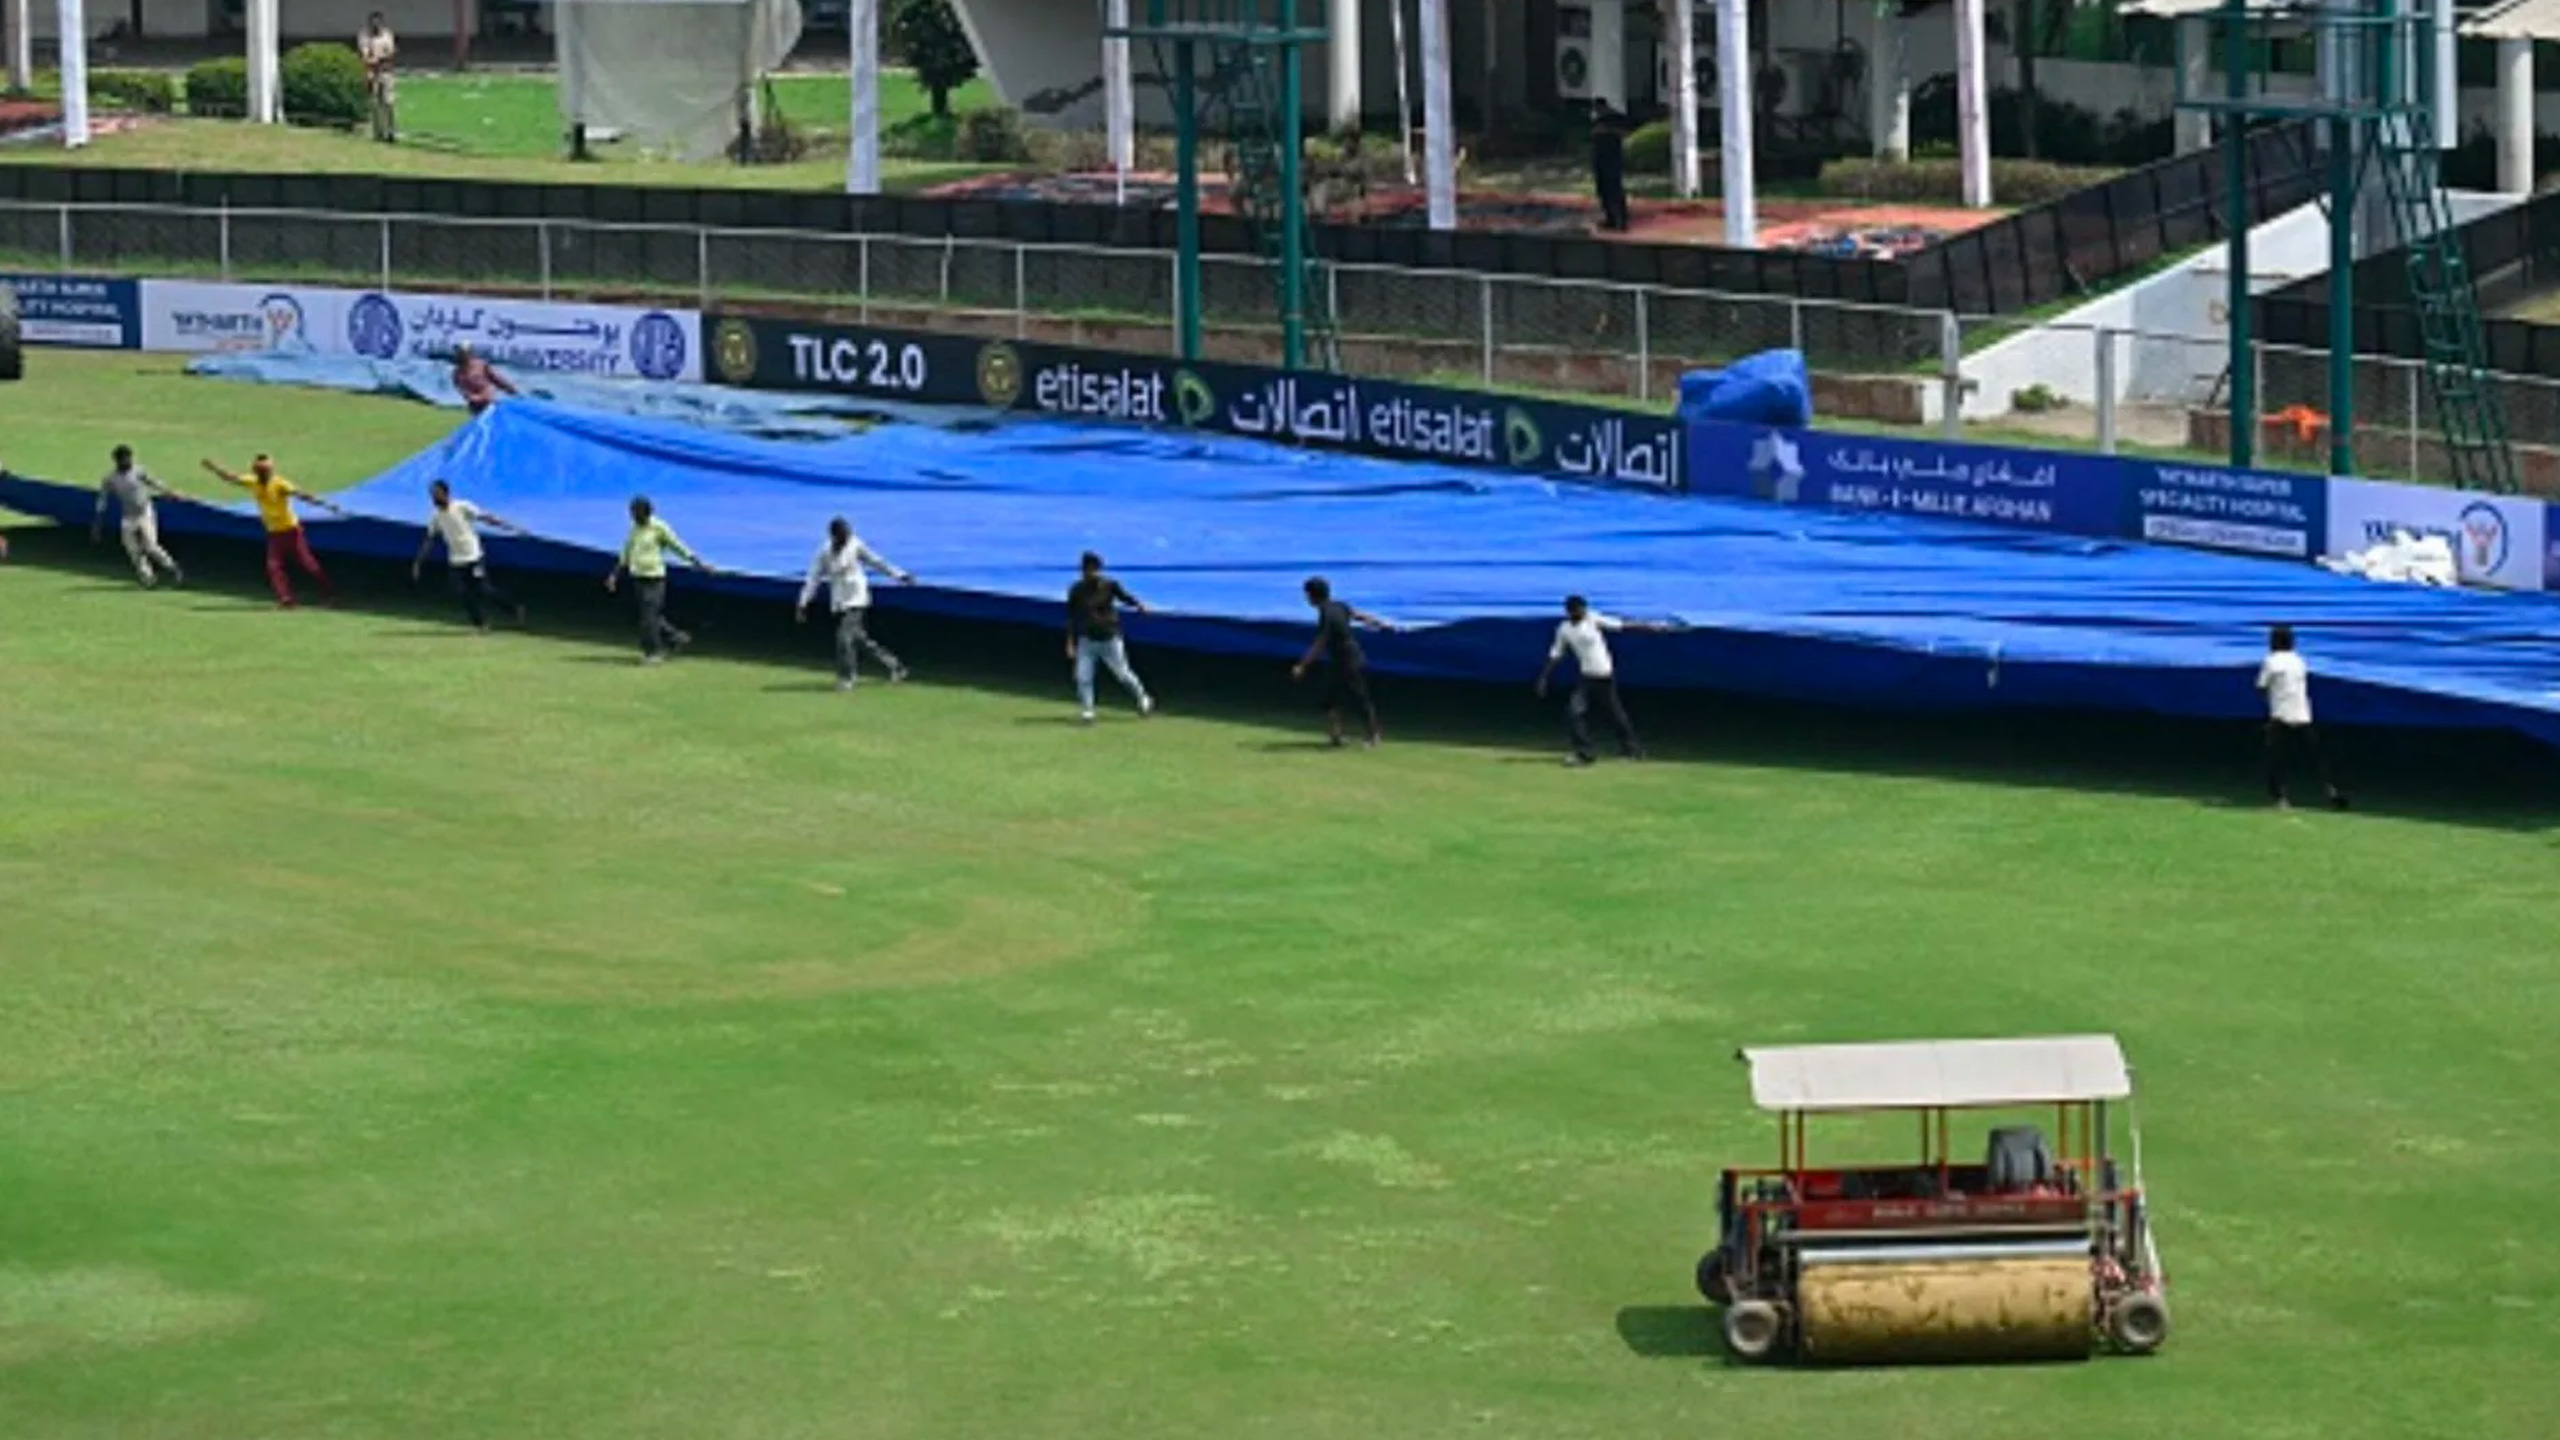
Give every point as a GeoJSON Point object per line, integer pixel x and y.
{"type": "Point", "coordinates": [1924, 371]}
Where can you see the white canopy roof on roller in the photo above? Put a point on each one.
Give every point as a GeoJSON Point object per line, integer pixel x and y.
{"type": "Point", "coordinates": [1920, 1074]}
{"type": "Point", "coordinates": [2518, 20]}
{"type": "Point", "coordinates": [2514, 20]}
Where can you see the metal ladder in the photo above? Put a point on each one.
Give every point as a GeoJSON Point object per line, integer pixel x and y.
{"type": "Point", "coordinates": [1245, 94]}
{"type": "Point", "coordinates": [2469, 412]}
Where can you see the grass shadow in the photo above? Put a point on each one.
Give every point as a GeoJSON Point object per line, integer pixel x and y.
{"type": "Point", "coordinates": [1671, 1332]}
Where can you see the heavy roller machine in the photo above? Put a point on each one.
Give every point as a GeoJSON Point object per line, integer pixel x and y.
{"type": "Point", "coordinates": [2040, 1251]}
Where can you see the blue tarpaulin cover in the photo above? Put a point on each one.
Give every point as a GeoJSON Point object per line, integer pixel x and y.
{"type": "Point", "coordinates": [1770, 388]}
{"type": "Point", "coordinates": [1217, 533]}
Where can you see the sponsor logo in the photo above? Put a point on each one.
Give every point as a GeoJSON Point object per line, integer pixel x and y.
{"type": "Point", "coordinates": [1135, 393]}
{"type": "Point", "coordinates": [1777, 469]}
{"type": "Point", "coordinates": [280, 320]}
{"type": "Point", "coordinates": [374, 327]}
{"type": "Point", "coordinates": [1441, 427]}
{"type": "Point", "coordinates": [658, 346]}
{"type": "Point", "coordinates": [273, 323]}
{"type": "Point", "coordinates": [1194, 403]}
{"type": "Point", "coordinates": [1000, 376]}
{"type": "Point", "coordinates": [1521, 439]}
{"type": "Point", "coordinates": [733, 351]}
{"type": "Point", "coordinates": [2484, 539]}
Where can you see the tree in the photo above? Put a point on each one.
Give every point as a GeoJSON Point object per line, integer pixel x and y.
{"type": "Point", "coordinates": [929, 36]}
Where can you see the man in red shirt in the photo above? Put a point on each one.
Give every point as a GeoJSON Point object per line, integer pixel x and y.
{"type": "Point", "coordinates": [478, 380]}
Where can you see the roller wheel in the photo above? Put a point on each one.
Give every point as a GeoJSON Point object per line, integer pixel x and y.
{"type": "Point", "coordinates": [2139, 1324]}
{"type": "Point", "coordinates": [1713, 1281]}
{"type": "Point", "coordinates": [1752, 1329]}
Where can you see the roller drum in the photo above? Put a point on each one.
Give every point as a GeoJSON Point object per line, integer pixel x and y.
{"type": "Point", "coordinates": [1884, 1312]}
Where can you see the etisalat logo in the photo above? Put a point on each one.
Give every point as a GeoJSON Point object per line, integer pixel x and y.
{"type": "Point", "coordinates": [1139, 393]}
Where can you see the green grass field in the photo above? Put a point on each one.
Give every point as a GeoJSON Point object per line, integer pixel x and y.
{"type": "Point", "coordinates": [501, 125]}
{"type": "Point", "coordinates": [415, 1035]}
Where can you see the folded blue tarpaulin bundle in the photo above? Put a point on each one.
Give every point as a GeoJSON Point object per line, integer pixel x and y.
{"type": "Point", "coordinates": [1770, 388]}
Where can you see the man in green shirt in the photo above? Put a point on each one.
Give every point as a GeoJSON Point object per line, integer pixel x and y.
{"type": "Point", "coordinates": [644, 558]}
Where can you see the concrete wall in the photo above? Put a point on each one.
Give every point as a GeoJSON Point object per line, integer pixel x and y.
{"type": "Point", "coordinates": [2177, 322]}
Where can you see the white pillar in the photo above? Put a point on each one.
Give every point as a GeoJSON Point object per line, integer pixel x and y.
{"type": "Point", "coordinates": [1119, 95]}
{"type": "Point", "coordinates": [266, 84]}
{"type": "Point", "coordinates": [1609, 51]}
{"type": "Point", "coordinates": [74, 37]}
{"type": "Point", "coordinates": [1733, 92]}
{"type": "Point", "coordinates": [1404, 91]}
{"type": "Point", "coordinates": [862, 154]}
{"type": "Point", "coordinates": [2195, 77]}
{"type": "Point", "coordinates": [1439, 140]}
{"type": "Point", "coordinates": [1343, 56]}
{"type": "Point", "coordinates": [2515, 116]}
{"type": "Point", "coordinates": [22, 46]}
{"type": "Point", "coordinates": [1681, 26]}
{"type": "Point", "coordinates": [1973, 107]}
{"type": "Point", "coordinates": [1889, 83]}
{"type": "Point", "coordinates": [2447, 90]}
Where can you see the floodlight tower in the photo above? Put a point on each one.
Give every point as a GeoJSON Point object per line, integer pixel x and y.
{"type": "Point", "coordinates": [2387, 102]}
{"type": "Point", "coordinates": [1238, 66]}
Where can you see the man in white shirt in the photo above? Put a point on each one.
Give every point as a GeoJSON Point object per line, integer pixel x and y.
{"type": "Point", "coordinates": [1585, 633]}
{"type": "Point", "coordinates": [457, 524]}
{"type": "Point", "coordinates": [2287, 684]}
{"type": "Point", "coordinates": [844, 564]}
{"type": "Point", "coordinates": [133, 491]}
{"type": "Point", "coordinates": [379, 50]}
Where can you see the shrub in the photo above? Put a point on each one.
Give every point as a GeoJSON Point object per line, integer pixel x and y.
{"type": "Point", "coordinates": [324, 85]}
{"type": "Point", "coordinates": [219, 89]}
{"type": "Point", "coordinates": [1940, 180]}
{"type": "Point", "coordinates": [1649, 149]}
{"type": "Point", "coordinates": [920, 137]}
{"type": "Point", "coordinates": [152, 92]}
{"type": "Point", "coordinates": [990, 136]}
{"type": "Point", "coordinates": [1069, 152]}
{"type": "Point", "coordinates": [2038, 399]}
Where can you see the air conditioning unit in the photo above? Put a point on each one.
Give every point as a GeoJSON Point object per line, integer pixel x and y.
{"type": "Point", "coordinates": [1702, 43]}
{"type": "Point", "coordinates": [1577, 67]}
{"type": "Point", "coordinates": [1809, 85]}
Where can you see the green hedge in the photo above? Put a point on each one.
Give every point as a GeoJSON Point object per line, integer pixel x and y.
{"type": "Point", "coordinates": [324, 85]}
{"type": "Point", "coordinates": [1649, 149]}
{"type": "Point", "coordinates": [153, 92]}
{"type": "Point", "coordinates": [219, 89]}
{"type": "Point", "coordinates": [1938, 181]}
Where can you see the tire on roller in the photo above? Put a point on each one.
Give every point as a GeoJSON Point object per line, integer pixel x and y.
{"type": "Point", "coordinates": [12, 360]}
{"type": "Point", "coordinates": [1752, 1330]}
{"type": "Point", "coordinates": [2139, 1324]}
{"type": "Point", "coordinates": [1715, 1284]}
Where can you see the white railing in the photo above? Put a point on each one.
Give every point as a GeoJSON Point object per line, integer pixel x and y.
{"type": "Point", "coordinates": [1922, 368]}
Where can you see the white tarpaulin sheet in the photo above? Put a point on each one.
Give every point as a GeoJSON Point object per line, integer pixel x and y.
{"type": "Point", "coordinates": [678, 77]}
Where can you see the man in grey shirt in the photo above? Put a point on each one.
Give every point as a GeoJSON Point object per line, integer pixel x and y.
{"type": "Point", "coordinates": [134, 493]}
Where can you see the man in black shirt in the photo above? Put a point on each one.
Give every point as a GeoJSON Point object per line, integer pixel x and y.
{"type": "Point", "coordinates": [1093, 634]}
{"type": "Point", "coordinates": [1609, 164]}
{"type": "Point", "coordinates": [1337, 640]}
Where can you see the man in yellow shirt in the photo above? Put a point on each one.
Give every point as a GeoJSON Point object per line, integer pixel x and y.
{"type": "Point", "coordinates": [285, 541]}
{"type": "Point", "coordinates": [644, 559]}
